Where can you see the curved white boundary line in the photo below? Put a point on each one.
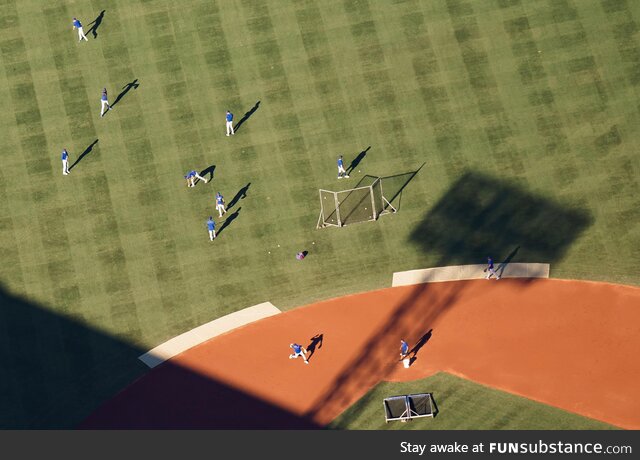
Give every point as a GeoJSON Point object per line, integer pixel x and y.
{"type": "Point", "coordinates": [196, 336]}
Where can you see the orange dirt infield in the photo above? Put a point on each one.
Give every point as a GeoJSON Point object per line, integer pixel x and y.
{"type": "Point", "coordinates": [573, 345]}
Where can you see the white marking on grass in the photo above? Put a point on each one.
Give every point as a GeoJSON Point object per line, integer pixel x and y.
{"type": "Point", "coordinates": [200, 334]}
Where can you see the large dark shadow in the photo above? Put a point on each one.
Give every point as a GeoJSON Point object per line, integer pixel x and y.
{"type": "Point", "coordinates": [246, 116]}
{"type": "Point", "coordinates": [83, 154]}
{"type": "Point", "coordinates": [480, 216]}
{"type": "Point", "coordinates": [56, 371]}
{"type": "Point", "coordinates": [95, 24]}
{"type": "Point", "coordinates": [209, 171]}
{"type": "Point", "coordinates": [229, 220]}
{"type": "Point", "coordinates": [356, 161]}
{"type": "Point", "coordinates": [125, 89]}
{"type": "Point", "coordinates": [477, 216]}
{"type": "Point", "coordinates": [241, 195]}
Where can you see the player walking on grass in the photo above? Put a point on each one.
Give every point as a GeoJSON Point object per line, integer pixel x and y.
{"type": "Point", "coordinates": [78, 25]}
{"type": "Point", "coordinates": [104, 102]}
{"type": "Point", "coordinates": [490, 270]}
{"type": "Point", "coordinates": [298, 350]}
{"type": "Point", "coordinates": [341, 172]}
{"type": "Point", "coordinates": [211, 226]}
{"type": "Point", "coordinates": [230, 124]}
{"type": "Point", "coordinates": [220, 204]}
{"type": "Point", "coordinates": [65, 162]}
{"type": "Point", "coordinates": [191, 178]}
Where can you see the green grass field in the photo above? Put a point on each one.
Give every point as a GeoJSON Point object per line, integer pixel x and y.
{"type": "Point", "coordinates": [542, 96]}
{"type": "Point", "coordinates": [461, 405]}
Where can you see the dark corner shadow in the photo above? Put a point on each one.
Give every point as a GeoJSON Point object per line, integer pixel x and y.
{"type": "Point", "coordinates": [246, 116]}
{"type": "Point", "coordinates": [241, 195]}
{"type": "Point", "coordinates": [419, 344]}
{"type": "Point", "coordinates": [83, 154]}
{"type": "Point", "coordinates": [356, 161]}
{"type": "Point", "coordinates": [505, 262]}
{"type": "Point", "coordinates": [229, 220]}
{"type": "Point", "coordinates": [125, 89]}
{"type": "Point", "coordinates": [481, 215]}
{"type": "Point", "coordinates": [208, 170]}
{"type": "Point", "coordinates": [95, 24]}
{"type": "Point", "coordinates": [60, 373]}
{"type": "Point", "coordinates": [316, 343]}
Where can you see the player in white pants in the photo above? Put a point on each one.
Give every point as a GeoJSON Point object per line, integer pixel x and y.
{"type": "Point", "coordinates": [105, 102]}
{"type": "Point", "coordinates": [230, 123]}
{"type": "Point", "coordinates": [78, 25]}
{"type": "Point", "coordinates": [298, 350]}
{"type": "Point", "coordinates": [65, 162]}
{"type": "Point", "coordinates": [220, 204]}
{"type": "Point", "coordinates": [191, 178]}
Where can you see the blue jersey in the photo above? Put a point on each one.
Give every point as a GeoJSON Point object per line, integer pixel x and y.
{"type": "Point", "coordinates": [229, 116]}
{"type": "Point", "coordinates": [339, 162]}
{"type": "Point", "coordinates": [404, 348]}
{"type": "Point", "coordinates": [76, 23]}
{"type": "Point", "coordinates": [190, 174]}
{"type": "Point", "coordinates": [490, 262]}
{"type": "Point", "coordinates": [65, 155]}
{"type": "Point", "coordinates": [104, 94]}
{"type": "Point", "coordinates": [297, 348]}
{"type": "Point", "coordinates": [211, 225]}
{"type": "Point", "coordinates": [219, 199]}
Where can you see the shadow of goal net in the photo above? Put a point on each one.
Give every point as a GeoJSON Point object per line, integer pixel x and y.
{"type": "Point", "coordinates": [360, 204]}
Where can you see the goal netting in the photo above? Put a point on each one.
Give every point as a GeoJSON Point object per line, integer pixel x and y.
{"type": "Point", "coordinates": [360, 204]}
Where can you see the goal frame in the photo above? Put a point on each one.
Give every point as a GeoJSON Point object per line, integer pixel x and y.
{"type": "Point", "coordinates": [375, 190]}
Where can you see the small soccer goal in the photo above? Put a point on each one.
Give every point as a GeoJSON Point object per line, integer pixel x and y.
{"type": "Point", "coordinates": [360, 204]}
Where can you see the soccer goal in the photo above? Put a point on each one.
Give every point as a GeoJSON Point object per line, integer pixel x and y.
{"type": "Point", "coordinates": [360, 204]}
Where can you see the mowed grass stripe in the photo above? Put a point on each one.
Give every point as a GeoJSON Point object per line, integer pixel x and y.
{"type": "Point", "coordinates": [497, 125]}
{"type": "Point", "coordinates": [54, 238]}
{"type": "Point", "coordinates": [97, 213]}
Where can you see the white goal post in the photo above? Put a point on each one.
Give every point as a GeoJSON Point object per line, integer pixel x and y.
{"type": "Point", "coordinates": [360, 204]}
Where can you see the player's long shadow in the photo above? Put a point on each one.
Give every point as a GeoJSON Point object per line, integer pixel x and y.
{"type": "Point", "coordinates": [208, 170]}
{"type": "Point", "coordinates": [503, 265]}
{"type": "Point", "coordinates": [83, 154]}
{"type": "Point", "coordinates": [229, 221]}
{"type": "Point", "coordinates": [419, 344]}
{"type": "Point", "coordinates": [356, 161]}
{"type": "Point", "coordinates": [95, 24]}
{"type": "Point", "coordinates": [125, 89]}
{"type": "Point", "coordinates": [316, 343]}
{"type": "Point", "coordinates": [246, 116]}
{"type": "Point", "coordinates": [241, 195]}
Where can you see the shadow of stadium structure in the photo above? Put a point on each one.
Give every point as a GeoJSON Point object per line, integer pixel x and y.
{"type": "Point", "coordinates": [56, 371]}
{"type": "Point", "coordinates": [478, 216]}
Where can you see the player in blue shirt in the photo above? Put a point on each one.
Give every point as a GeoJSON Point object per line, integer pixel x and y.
{"type": "Point", "coordinates": [104, 101]}
{"type": "Point", "coordinates": [220, 204]}
{"type": "Point", "coordinates": [192, 176]}
{"type": "Point", "coordinates": [211, 226]}
{"type": "Point", "coordinates": [341, 172]}
{"type": "Point", "coordinates": [65, 162]}
{"type": "Point", "coordinates": [78, 25]}
{"type": "Point", "coordinates": [490, 270]}
{"type": "Point", "coordinates": [229, 123]}
{"type": "Point", "coordinates": [298, 350]}
{"type": "Point", "coordinates": [404, 349]}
